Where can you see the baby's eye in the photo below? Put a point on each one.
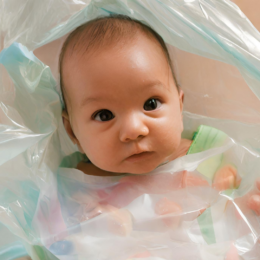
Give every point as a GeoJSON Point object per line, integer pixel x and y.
{"type": "Point", "coordinates": [104, 115]}
{"type": "Point", "coordinates": [151, 104]}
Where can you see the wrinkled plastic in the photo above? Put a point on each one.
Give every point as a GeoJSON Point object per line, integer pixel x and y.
{"type": "Point", "coordinates": [58, 212]}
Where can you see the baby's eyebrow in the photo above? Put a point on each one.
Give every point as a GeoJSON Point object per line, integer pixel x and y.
{"type": "Point", "coordinates": [155, 83]}
{"type": "Point", "coordinates": [151, 84]}
{"type": "Point", "coordinates": [88, 100]}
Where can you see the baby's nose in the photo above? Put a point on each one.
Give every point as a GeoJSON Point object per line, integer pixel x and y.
{"type": "Point", "coordinates": [132, 128]}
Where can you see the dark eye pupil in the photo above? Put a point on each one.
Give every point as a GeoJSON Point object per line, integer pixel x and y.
{"type": "Point", "coordinates": [150, 104]}
{"type": "Point", "coordinates": [105, 115]}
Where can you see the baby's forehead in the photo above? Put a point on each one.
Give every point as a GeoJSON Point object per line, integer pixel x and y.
{"type": "Point", "coordinates": [111, 74]}
{"type": "Point", "coordinates": [107, 32]}
{"type": "Point", "coordinates": [80, 53]}
{"type": "Point", "coordinates": [82, 48]}
{"type": "Point", "coordinates": [98, 35]}
{"type": "Point", "coordinates": [101, 36]}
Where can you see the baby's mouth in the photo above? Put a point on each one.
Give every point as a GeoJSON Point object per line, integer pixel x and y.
{"type": "Point", "coordinates": [139, 156]}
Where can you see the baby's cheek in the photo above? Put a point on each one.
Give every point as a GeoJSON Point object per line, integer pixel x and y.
{"type": "Point", "coordinates": [105, 153]}
{"type": "Point", "coordinates": [94, 150]}
{"type": "Point", "coordinates": [168, 136]}
{"type": "Point", "coordinates": [101, 159]}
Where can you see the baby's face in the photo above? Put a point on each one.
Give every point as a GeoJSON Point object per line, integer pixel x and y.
{"type": "Point", "coordinates": [124, 108]}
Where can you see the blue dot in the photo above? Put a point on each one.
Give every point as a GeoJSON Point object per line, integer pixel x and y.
{"type": "Point", "coordinates": [61, 248]}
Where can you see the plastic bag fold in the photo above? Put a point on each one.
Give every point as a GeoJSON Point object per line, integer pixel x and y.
{"type": "Point", "coordinates": [60, 213]}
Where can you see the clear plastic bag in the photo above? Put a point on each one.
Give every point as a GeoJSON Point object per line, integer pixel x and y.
{"type": "Point", "coordinates": [60, 213]}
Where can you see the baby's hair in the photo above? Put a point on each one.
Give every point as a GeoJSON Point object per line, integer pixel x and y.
{"type": "Point", "coordinates": [101, 32]}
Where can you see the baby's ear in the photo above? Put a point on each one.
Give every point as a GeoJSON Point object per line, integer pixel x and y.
{"type": "Point", "coordinates": [67, 125]}
{"type": "Point", "coordinates": [181, 98]}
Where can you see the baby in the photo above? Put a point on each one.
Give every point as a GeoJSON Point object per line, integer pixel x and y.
{"type": "Point", "coordinates": [123, 106]}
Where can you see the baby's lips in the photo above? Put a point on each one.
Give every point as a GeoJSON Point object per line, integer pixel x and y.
{"type": "Point", "coordinates": [164, 207]}
{"type": "Point", "coordinates": [225, 178]}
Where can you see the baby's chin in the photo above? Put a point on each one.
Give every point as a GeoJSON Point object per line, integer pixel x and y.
{"type": "Point", "coordinates": [135, 168]}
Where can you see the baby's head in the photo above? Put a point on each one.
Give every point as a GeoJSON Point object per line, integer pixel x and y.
{"type": "Point", "coordinates": [121, 97]}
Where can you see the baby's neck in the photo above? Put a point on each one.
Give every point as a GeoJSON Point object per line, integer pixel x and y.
{"type": "Point", "coordinates": [91, 169]}
{"type": "Point", "coordinates": [182, 149]}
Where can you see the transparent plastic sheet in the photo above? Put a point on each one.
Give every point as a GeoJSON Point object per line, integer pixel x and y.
{"type": "Point", "coordinates": [56, 210]}
{"type": "Point", "coordinates": [11, 246]}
